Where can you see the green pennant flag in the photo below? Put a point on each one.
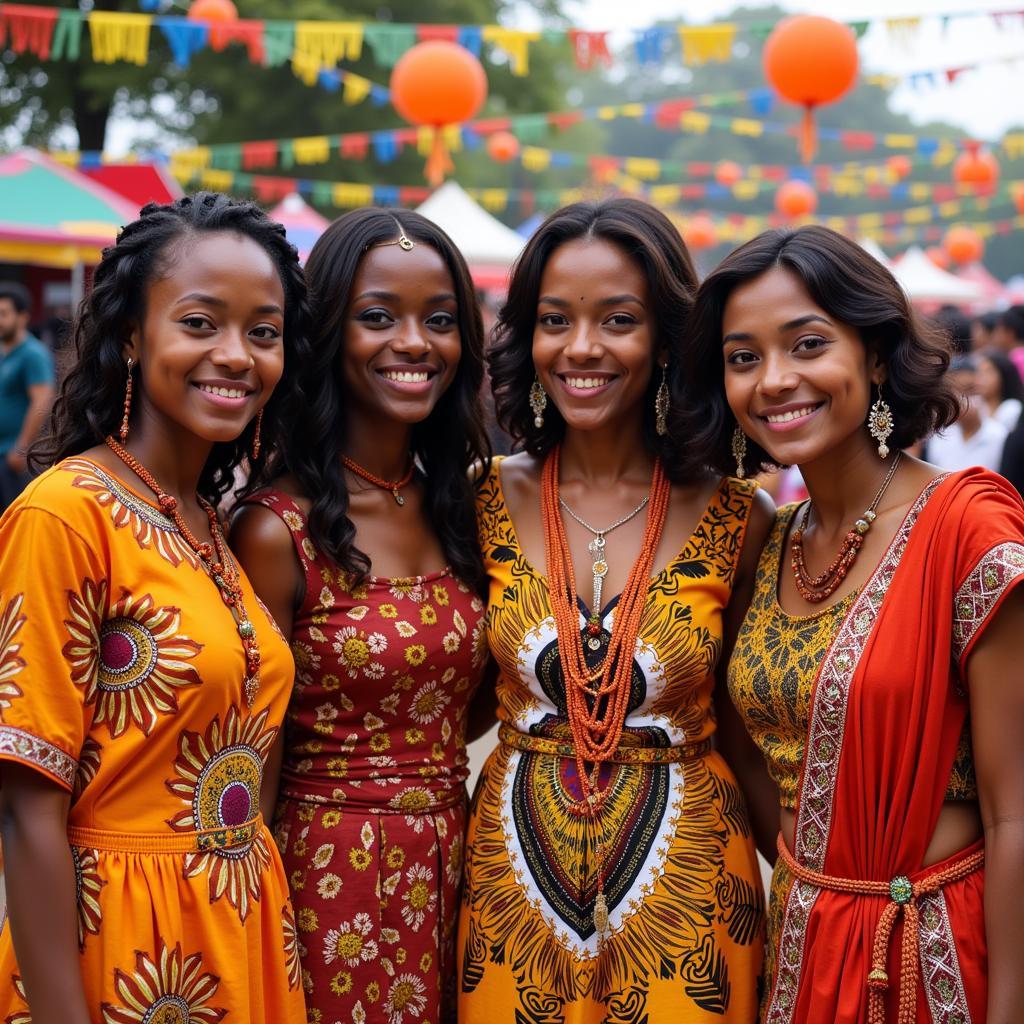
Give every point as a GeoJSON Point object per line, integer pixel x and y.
{"type": "Point", "coordinates": [530, 128]}
{"type": "Point", "coordinates": [859, 27]}
{"type": "Point", "coordinates": [285, 153]}
{"type": "Point", "coordinates": [67, 36]}
{"type": "Point", "coordinates": [389, 42]}
{"type": "Point", "coordinates": [278, 42]}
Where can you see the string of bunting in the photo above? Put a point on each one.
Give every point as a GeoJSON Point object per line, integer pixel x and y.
{"type": "Point", "coordinates": [313, 47]}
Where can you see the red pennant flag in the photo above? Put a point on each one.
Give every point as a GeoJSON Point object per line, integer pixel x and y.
{"type": "Point", "coordinates": [258, 154]}
{"type": "Point", "coordinates": [589, 48]}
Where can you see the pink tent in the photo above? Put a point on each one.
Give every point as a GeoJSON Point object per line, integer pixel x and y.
{"type": "Point", "coordinates": [303, 224]}
{"type": "Point", "coordinates": [991, 288]}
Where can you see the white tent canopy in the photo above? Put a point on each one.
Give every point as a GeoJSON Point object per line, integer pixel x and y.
{"type": "Point", "coordinates": [483, 239]}
{"type": "Point", "coordinates": [925, 282]}
{"type": "Point", "coordinates": [872, 248]}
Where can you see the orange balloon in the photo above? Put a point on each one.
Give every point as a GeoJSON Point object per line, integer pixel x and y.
{"type": "Point", "coordinates": [938, 256]}
{"type": "Point", "coordinates": [1017, 192]}
{"type": "Point", "coordinates": [212, 10]}
{"type": "Point", "coordinates": [795, 198]}
{"type": "Point", "coordinates": [976, 167]}
{"type": "Point", "coordinates": [963, 244]}
{"type": "Point", "coordinates": [438, 83]}
{"type": "Point", "coordinates": [502, 146]}
{"type": "Point", "coordinates": [899, 166]}
{"type": "Point", "coordinates": [700, 232]}
{"type": "Point", "coordinates": [809, 59]}
{"type": "Point", "coordinates": [728, 172]}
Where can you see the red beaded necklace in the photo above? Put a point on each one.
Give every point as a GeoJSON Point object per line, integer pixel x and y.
{"type": "Point", "coordinates": [220, 568]}
{"type": "Point", "coordinates": [394, 486]}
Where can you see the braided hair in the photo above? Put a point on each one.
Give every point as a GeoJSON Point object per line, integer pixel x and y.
{"type": "Point", "coordinates": [91, 398]}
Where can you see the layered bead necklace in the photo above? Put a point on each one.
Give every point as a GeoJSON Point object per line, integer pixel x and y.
{"type": "Point", "coordinates": [394, 486]}
{"type": "Point", "coordinates": [597, 700]}
{"type": "Point", "coordinates": [815, 589]}
{"type": "Point", "coordinates": [214, 559]}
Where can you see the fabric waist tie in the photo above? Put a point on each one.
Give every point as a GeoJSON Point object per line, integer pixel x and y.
{"type": "Point", "coordinates": [903, 896]}
{"type": "Point", "coordinates": [365, 799]}
{"type": "Point", "coordinates": [623, 754]}
{"type": "Point", "coordinates": [179, 842]}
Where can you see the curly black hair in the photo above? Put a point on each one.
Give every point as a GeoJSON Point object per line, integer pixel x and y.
{"type": "Point", "coordinates": [446, 445]}
{"type": "Point", "coordinates": [647, 236]}
{"type": "Point", "coordinates": [90, 405]}
{"type": "Point", "coordinates": [850, 285]}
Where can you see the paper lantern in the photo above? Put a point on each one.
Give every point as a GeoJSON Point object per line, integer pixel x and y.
{"type": "Point", "coordinates": [899, 166]}
{"type": "Point", "coordinates": [502, 147]}
{"type": "Point", "coordinates": [438, 83]}
{"type": "Point", "coordinates": [795, 198]}
{"type": "Point", "coordinates": [700, 232]}
{"type": "Point", "coordinates": [728, 172]}
{"type": "Point", "coordinates": [938, 256]}
{"type": "Point", "coordinates": [810, 60]}
{"type": "Point", "coordinates": [1017, 193]}
{"type": "Point", "coordinates": [963, 244]}
{"type": "Point", "coordinates": [977, 167]}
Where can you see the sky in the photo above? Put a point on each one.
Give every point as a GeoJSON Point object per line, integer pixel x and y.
{"type": "Point", "coordinates": [985, 102]}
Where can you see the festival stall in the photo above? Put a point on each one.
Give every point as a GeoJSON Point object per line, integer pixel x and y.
{"type": "Point", "coordinates": [927, 284]}
{"type": "Point", "coordinates": [302, 223]}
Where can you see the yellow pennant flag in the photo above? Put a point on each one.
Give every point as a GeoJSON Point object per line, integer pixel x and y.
{"type": "Point", "coordinates": [642, 168]}
{"type": "Point", "coordinates": [187, 162]}
{"type": "Point", "coordinates": [664, 195]}
{"type": "Point", "coordinates": [515, 44]}
{"type": "Point", "coordinates": [355, 89]}
{"type": "Point", "coordinates": [320, 45]}
{"type": "Point", "coordinates": [917, 215]}
{"type": "Point", "coordinates": [217, 181]}
{"type": "Point", "coordinates": [116, 36]}
{"type": "Point", "coordinates": [952, 208]}
{"type": "Point", "coordinates": [570, 195]}
{"type": "Point", "coordinates": [746, 189]}
{"type": "Point", "coordinates": [746, 126]}
{"type": "Point", "coordinates": [1013, 143]}
{"type": "Point", "coordinates": [535, 159]}
{"type": "Point", "coordinates": [694, 121]}
{"type": "Point", "coordinates": [920, 190]}
{"type": "Point", "coordinates": [313, 149]}
{"type": "Point", "coordinates": [494, 199]}
{"type": "Point", "coordinates": [900, 141]}
{"type": "Point", "coordinates": [349, 196]}
{"type": "Point", "coordinates": [704, 43]}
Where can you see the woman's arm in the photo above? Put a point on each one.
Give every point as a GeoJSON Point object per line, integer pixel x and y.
{"type": "Point", "coordinates": [731, 736]}
{"type": "Point", "coordinates": [262, 544]}
{"type": "Point", "coordinates": [483, 709]}
{"type": "Point", "coordinates": [39, 877]}
{"type": "Point", "coordinates": [996, 686]}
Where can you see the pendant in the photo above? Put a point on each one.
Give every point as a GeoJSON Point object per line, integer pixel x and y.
{"type": "Point", "coordinates": [594, 644]}
{"type": "Point", "coordinates": [251, 686]}
{"type": "Point", "coordinates": [399, 500]}
{"type": "Point", "coordinates": [601, 913]}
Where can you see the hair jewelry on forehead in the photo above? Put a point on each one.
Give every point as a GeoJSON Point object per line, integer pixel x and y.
{"type": "Point", "coordinates": [402, 241]}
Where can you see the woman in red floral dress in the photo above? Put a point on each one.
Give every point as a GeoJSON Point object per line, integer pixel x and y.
{"type": "Point", "coordinates": [358, 547]}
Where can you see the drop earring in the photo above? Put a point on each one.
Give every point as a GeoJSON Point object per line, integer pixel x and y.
{"type": "Point", "coordinates": [256, 441]}
{"type": "Point", "coordinates": [739, 451]}
{"type": "Point", "coordinates": [538, 402]}
{"type": "Point", "coordinates": [880, 424]}
{"type": "Point", "coordinates": [123, 432]}
{"type": "Point", "coordinates": [661, 405]}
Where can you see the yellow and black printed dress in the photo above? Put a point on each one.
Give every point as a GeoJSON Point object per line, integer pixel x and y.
{"type": "Point", "coordinates": [686, 907]}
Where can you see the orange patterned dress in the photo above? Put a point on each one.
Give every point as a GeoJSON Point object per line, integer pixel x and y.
{"type": "Point", "coordinates": [372, 813]}
{"type": "Point", "coordinates": [121, 681]}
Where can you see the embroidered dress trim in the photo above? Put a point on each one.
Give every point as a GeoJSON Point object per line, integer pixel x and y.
{"type": "Point", "coordinates": [822, 756]}
{"type": "Point", "coordinates": [23, 746]}
{"type": "Point", "coordinates": [982, 591]}
{"type": "Point", "coordinates": [940, 966]}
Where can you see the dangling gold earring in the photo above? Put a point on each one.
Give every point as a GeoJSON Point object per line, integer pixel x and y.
{"type": "Point", "coordinates": [123, 432]}
{"type": "Point", "coordinates": [256, 437]}
{"type": "Point", "coordinates": [880, 424]}
{"type": "Point", "coordinates": [739, 450]}
{"type": "Point", "coordinates": [661, 405]}
{"type": "Point", "coordinates": [538, 402]}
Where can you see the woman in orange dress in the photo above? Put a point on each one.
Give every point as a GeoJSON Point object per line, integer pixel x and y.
{"type": "Point", "coordinates": [363, 547]}
{"type": "Point", "coordinates": [878, 667]}
{"type": "Point", "coordinates": [142, 684]}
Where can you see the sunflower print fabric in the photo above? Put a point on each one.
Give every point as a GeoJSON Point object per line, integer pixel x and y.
{"type": "Point", "coordinates": [372, 813]}
{"type": "Point", "coordinates": [121, 682]}
{"type": "Point", "coordinates": [685, 903]}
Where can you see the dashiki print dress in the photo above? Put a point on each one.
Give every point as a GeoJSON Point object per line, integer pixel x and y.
{"type": "Point", "coordinates": [371, 816]}
{"type": "Point", "coordinates": [682, 884]}
{"type": "Point", "coordinates": [121, 680]}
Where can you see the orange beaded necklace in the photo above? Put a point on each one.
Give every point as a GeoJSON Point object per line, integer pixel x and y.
{"type": "Point", "coordinates": [597, 699]}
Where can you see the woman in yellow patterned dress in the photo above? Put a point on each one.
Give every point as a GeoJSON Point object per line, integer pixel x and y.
{"type": "Point", "coordinates": [141, 683]}
{"type": "Point", "coordinates": [649, 908]}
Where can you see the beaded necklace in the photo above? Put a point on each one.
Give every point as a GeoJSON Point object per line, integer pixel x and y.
{"type": "Point", "coordinates": [394, 486]}
{"type": "Point", "coordinates": [220, 568]}
{"type": "Point", "coordinates": [597, 699]}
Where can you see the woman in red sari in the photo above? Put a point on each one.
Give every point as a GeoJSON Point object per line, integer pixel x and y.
{"type": "Point", "coordinates": [877, 668]}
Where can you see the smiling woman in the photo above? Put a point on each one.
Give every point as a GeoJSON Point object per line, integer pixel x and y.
{"type": "Point", "coordinates": [142, 684]}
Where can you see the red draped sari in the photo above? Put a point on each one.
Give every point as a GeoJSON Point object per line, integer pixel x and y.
{"type": "Point", "coordinates": [888, 708]}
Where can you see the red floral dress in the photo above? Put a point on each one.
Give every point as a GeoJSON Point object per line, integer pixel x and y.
{"type": "Point", "coordinates": [371, 816]}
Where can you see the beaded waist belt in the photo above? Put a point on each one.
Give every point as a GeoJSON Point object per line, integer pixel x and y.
{"type": "Point", "coordinates": [623, 754]}
{"type": "Point", "coordinates": [903, 895]}
{"type": "Point", "coordinates": [179, 842]}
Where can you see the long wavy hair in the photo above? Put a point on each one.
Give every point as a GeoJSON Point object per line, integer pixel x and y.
{"type": "Point", "coordinates": [850, 285]}
{"type": "Point", "coordinates": [90, 404]}
{"type": "Point", "coordinates": [446, 446]}
{"type": "Point", "coordinates": [648, 237]}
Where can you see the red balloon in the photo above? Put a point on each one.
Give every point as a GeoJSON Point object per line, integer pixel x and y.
{"type": "Point", "coordinates": [795, 198]}
{"type": "Point", "coordinates": [899, 166]}
{"type": "Point", "coordinates": [938, 256]}
{"type": "Point", "coordinates": [809, 59]}
{"type": "Point", "coordinates": [700, 232]}
{"type": "Point", "coordinates": [963, 244]}
{"type": "Point", "coordinates": [212, 10]}
{"type": "Point", "coordinates": [1017, 192]}
{"type": "Point", "coordinates": [438, 83]}
{"type": "Point", "coordinates": [976, 167]}
{"type": "Point", "coordinates": [728, 172]}
{"type": "Point", "coordinates": [502, 146]}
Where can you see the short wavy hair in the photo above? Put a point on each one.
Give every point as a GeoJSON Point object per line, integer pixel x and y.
{"type": "Point", "coordinates": [852, 287]}
{"type": "Point", "coordinates": [647, 236]}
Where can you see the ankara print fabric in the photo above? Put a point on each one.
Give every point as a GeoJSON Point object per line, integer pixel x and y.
{"type": "Point", "coordinates": [121, 682]}
{"type": "Point", "coordinates": [685, 902]}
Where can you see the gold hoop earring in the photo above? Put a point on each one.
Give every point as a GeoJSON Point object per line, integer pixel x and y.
{"type": "Point", "coordinates": [880, 424]}
{"type": "Point", "coordinates": [123, 432]}
{"type": "Point", "coordinates": [739, 451]}
{"type": "Point", "coordinates": [538, 402]}
{"type": "Point", "coordinates": [661, 405]}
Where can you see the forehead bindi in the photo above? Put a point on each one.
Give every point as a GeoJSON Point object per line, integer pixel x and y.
{"type": "Point", "coordinates": [589, 270]}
